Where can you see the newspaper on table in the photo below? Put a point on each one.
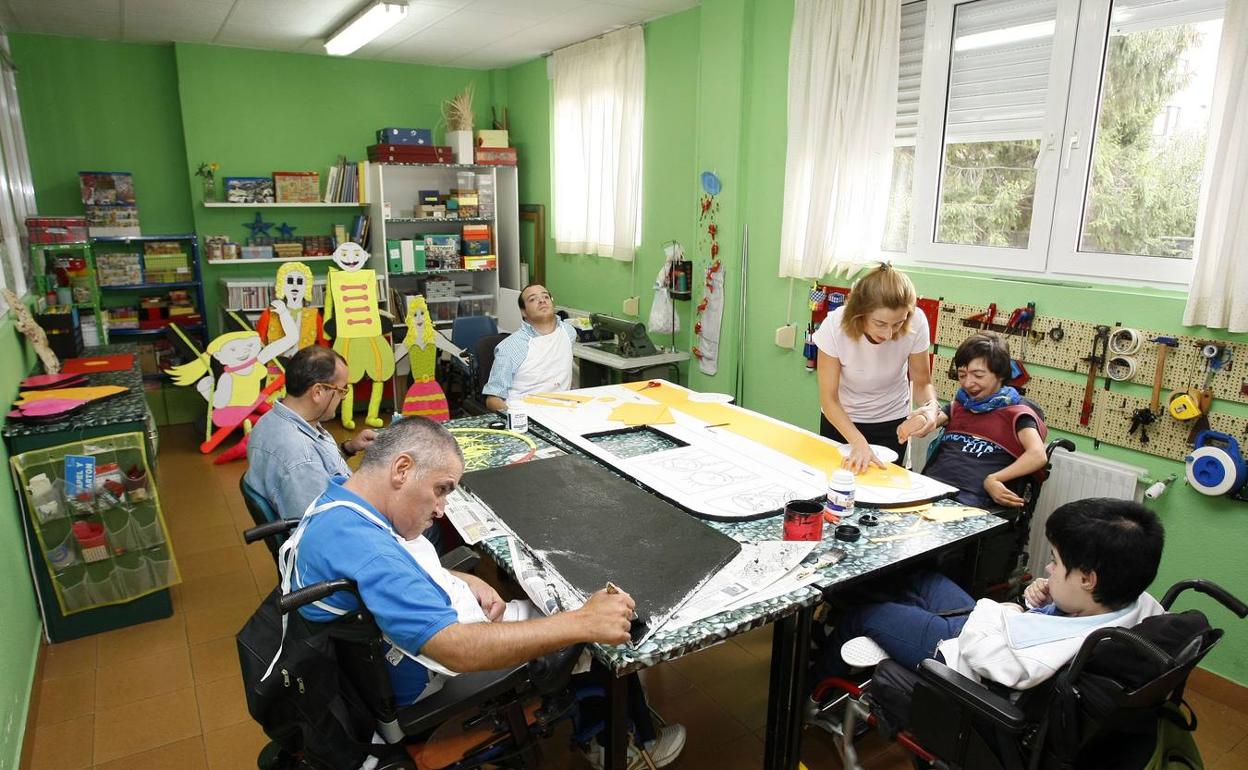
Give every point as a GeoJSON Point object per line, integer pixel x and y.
{"type": "Point", "coordinates": [755, 568]}
{"type": "Point", "coordinates": [472, 518]}
{"type": "Point", "coordinates": [546, 589]}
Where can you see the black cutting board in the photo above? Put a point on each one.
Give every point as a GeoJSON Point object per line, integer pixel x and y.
{"type": "Point", "coordinates": [593, 527]}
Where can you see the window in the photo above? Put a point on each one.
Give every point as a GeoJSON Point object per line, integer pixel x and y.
{"type": "Point", "coordinates": [909, 72]}
{"type": "Point", "coordinates": [17, 199]}
{"type": "Point", "coordinates": [1020, 164]}
{"type": "Point", "coordinates": [599, 93]}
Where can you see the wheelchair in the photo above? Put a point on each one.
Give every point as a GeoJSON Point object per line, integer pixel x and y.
{"type": "Point", "coordinates": [329, 700]}
{"type": "Point", "coordinates": [1103, 711]}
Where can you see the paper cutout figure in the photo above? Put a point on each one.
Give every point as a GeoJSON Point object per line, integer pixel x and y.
{"type": "Point", "coordinates": [47, 409]}
{"type": "Point", "coordinates": [238, 391]}
{"type": "Point", "coordinates": [121, 362]}
{"type": "Point", "coordinates": [294, 286]}
{"type": "Point", "coordinates": [25, 323]}
{"type": "Point", "coordinates": [51, 381]}
{"type": "Point", "coordinates": [354, 321]}
{"type": "Point", "coordinates": [425, 396]}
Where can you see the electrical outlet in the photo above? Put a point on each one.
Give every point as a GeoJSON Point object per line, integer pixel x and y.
{"type": "Point", "coordinates": [786, 336]}
{"type": "Point", "coordinates": [630, 306]}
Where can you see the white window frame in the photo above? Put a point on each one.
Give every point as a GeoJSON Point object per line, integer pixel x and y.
{"type": "Point", "coordinates": [17, 196]}
{"type": "Point", "coordinates": [1080, 43]}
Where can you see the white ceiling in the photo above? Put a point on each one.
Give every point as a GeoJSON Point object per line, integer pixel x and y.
{"type": "Point", "coordinates": [478, 34]}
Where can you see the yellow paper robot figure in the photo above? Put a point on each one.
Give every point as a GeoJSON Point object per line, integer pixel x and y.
{"type": "Point", "coordinates": [355, 324]}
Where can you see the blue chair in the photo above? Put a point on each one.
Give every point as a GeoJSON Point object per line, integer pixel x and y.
{"type": "Point", "coordinates": [262, 512]}
{"type": "Point", "coordinates": [464, 389]}
{"type": "Point", "coordinates": [466, 330]}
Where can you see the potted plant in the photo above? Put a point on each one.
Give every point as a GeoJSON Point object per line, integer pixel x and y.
{"type": "Point", "coordinates": [207, 173]}
{"type": "Point", "coordinates": [457, 113]}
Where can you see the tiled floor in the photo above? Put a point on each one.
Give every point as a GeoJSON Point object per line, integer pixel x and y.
{"type": "Point", "coordinates": [167, 694]}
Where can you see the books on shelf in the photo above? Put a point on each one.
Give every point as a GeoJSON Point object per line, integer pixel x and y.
{"type": "Point", "coordinates": [255, 295]}
{"type": "Point", "coordinates": [347, 182]}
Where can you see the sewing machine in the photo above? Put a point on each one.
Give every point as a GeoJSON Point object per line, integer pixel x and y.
{"type": "Point", "coordinates": [631, 340]}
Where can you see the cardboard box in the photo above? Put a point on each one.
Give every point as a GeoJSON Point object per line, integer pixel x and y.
{"type": "Point", "coordinates": [496, 156]}
{"type": "Point", "coordinates": [492, 138]}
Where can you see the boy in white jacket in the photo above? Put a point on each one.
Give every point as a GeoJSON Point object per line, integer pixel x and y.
{"type": "Point", "coordinates": [1105, 553]}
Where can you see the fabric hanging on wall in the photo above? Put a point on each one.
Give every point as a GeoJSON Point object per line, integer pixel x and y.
{"type": "Point", "coordinates": [842, 112]}
{"type": "Point", "coordinates": [710, 319]}
{"type": "Point", "coordinates": [1222, 227]}
{"type": "Point", "coordinates": [599, 93]}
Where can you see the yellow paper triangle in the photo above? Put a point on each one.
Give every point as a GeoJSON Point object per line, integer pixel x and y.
{"type": "Point", "coordinates": [642, 414]}
{"type": "Point", "coordinates": [943, 513]}
{"type": "Point", "coordinates": [89, 393]}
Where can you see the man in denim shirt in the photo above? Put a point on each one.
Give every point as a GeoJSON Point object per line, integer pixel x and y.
{"type": "Point", "coordinates": [291, 457]}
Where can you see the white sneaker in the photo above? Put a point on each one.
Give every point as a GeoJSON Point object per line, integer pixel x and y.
{"type": "Point", "coordinates": [862, 652]}
{"type": "Point", "coordinates": [664, 749]}
{"type": "Point", "coordinates": [596, 756]}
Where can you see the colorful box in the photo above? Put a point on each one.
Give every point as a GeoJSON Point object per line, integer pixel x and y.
{"type": "Point", "coordinates": [496, 156]}
{"type": "Point", "coordinates": [57, 229]}
{"type": "Point", "coordinates": [297, 186]}
{"type": "Point", "coordinates": [416, 136]}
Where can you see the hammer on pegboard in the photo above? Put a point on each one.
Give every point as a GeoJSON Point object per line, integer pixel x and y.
{"type": "Point", "coordinates": [1142, 418]}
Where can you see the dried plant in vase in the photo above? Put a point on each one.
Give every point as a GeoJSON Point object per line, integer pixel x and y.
{"type": "Point", "coordinates": [457, 114]}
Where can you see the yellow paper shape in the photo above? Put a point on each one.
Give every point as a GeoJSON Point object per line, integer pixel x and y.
{"type": "Point", "coordinates": [89, 393]}
{"type": "Point", "coordinates": [575, 397]}
{"type": "Point", "coordinates": [642, 414]}
{"type": "Point", "coordinates": [920, 508]}
{"type": "Point", "coordinates": [946, 513]}
{"type": "Point", "coordinates": [538, 401]}
{"type": "Point", "coordinates": [785, 439]}
{"type": "Point", "coordinates": [354, 299]}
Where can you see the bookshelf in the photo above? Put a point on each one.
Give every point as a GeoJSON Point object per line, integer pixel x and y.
{"type": "Point", "coordinates": [400, 184]}
{"type": "Point", "coordinates": [115, 296]}
{"type": "Point", "coordinates": [316, 205]}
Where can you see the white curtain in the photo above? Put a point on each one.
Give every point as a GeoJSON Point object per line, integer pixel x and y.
{"type": "Point", "coordinates": [599, 93]}
{"type": "Point", "coordinates": [17, 196]}
{"type": "Point", "coordinates": [842, 110]}
{"type": "Point", "coordinates": [1219, 293]}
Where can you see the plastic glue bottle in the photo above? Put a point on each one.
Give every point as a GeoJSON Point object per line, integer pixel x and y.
{"type": "Point", "coordinates": [840, 501]}
{"type": "Point", "coordinates": [517, 418]}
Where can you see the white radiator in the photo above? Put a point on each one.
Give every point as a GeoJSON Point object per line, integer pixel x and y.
{"type": "Point", "coordinates": [1075, 476]}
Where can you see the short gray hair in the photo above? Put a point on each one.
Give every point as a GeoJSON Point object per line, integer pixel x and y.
{"type": "Point", "coordinates": [429, 444]}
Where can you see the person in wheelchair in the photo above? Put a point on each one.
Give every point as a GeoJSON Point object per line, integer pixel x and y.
{"type": "Point", "coordinates": [368, 528]}
{"type": "Point", "coordinates": [993, 438]}
{"type": "Point", "coordinates": [1105, 554]}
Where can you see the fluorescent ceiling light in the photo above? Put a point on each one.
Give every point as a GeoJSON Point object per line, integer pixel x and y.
{"type": "Point", "coordinates": [365, 27]}
{"type": "Point", "coordinates": [998, 37]}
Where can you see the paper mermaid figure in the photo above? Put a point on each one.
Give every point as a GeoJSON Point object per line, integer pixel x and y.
{"type": "Point", "coordinates": [425, 398]}
{"type": "Point", "coordinates": [237, 392]}
{"type": "Point", "coordinates": [355, 323]}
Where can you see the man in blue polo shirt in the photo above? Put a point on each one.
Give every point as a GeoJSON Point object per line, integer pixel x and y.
{"type": "Point", "coordinates": [536, 358]}
{"type": "Point", "coordinates": [368, 528]}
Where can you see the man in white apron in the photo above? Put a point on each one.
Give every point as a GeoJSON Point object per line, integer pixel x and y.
{"type": "Point", "coordinates": [536, 358]}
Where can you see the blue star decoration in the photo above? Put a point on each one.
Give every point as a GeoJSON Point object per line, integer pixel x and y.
{"type": "Point", "coordinates": [285, 231]}
{"type": "Point", "coordinates": [258, 226]}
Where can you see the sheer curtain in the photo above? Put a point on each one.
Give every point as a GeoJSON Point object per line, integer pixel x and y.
{"type": "Point", "coordinates": [17, 192]}
{"type": "Point", "coordinates": [1219, 293]}
{"type": "Point", "coordinates": [599, 94]}
{"type": "Point", "coordinates": [842, 109]}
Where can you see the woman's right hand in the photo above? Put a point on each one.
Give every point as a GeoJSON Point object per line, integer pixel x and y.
{"type": "Point", "coordinates": [860, 458]}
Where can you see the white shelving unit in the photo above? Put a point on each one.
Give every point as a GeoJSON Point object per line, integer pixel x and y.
{"type": "Point", "coordinates": [274, 261]}
{"type": "Point", "coordinates": [400, 186]}
{"type": "Point", "coordinates": [317, 205]}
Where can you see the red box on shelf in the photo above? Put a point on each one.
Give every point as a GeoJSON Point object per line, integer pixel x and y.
{"type": "Point", "coordinates": [496, 156]}
{"type": "Point", "coordinates": [46, 230]}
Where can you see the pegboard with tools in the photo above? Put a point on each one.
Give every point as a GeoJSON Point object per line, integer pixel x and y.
{"type": "Point", "coordinates": [1197, 373]}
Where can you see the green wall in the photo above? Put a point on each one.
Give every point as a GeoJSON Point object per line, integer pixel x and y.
{"type": "Point", "coordinates": [256, 112]}
{"type": "Point", "coordinates": [19, 644]}
{"type": "Point", "coordinates": [737, 128]}
{"type": "Point", "coordinates": [89, 105]}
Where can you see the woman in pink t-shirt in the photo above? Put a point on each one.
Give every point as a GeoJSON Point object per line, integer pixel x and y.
{"type": "Point", "coordinates": [873, 363]}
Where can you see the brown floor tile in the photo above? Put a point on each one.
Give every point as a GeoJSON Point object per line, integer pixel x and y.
{"type": "Point", "coordinates": [133, 679]}
{"type": "Point", "coordinates": [234, 747]}
{"type": "Point", "coordinates": [216, 621]}
{"type": "Point", "coordinates": [221, 703]}
{"type": "Point", "coordinates": [68, 658]}
{"type": "Point", "coordinates": [1219, 728]}
{"type": "Point", "coordinates": [744, 693]}
{"type": "Point", "coordinates": [199, 525]}
{"type": "Point", "coordinates": [206, 539]}
{"type": "Point", "coordinates": [263, 568]}
{"type": "Point", "coordinates": [215, 660]}
{"type": "Point", "coordinates": [143, 725]}
{"type": "Point", "coordinates": [216, 561]}
{"type": "Point", "coordinates": [65, 698]}
{"type": "Point", "coordinates": [63, 746]}
{"type": "Point", "coordinates": [186, 754]}
{"type": "Point", "coordinates": [756, 642]}
{"type": "Point", "coordinates": [143, 639]}
{"type": "Point", "coordinates": [708, 667]}
{"type": "Point", "coordinates": [218, 589]}
{"type": "Point", "coordinates": [708, 724]}
{"type": "Point", "coordinates": [663, 684]}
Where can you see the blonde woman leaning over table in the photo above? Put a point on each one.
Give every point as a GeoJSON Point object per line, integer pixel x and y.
{"type": "Point", "coordinates": [872, 363]}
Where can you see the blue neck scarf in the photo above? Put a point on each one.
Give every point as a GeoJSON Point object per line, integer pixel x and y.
{"type": "Point", "coordinates": [1007, 396]}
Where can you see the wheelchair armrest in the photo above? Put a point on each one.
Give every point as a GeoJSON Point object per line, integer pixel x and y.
{"type": "Point", "coordinates": [1061, 443]}
{"type": "Point", "coordinates": [1209, 588]}
{"type": "Point", "coordinates": [458, 694]}
{"type": "Point", "coordinates": [314, 593]}
{"type": "Point", "coordinates": [461, 559]}
{"type": "Point", "coordinates": [550, 673]}
{"type": "Point", "coordinates": [971, 695]}
{"type": "Point", "coordinates": [265, 531]}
